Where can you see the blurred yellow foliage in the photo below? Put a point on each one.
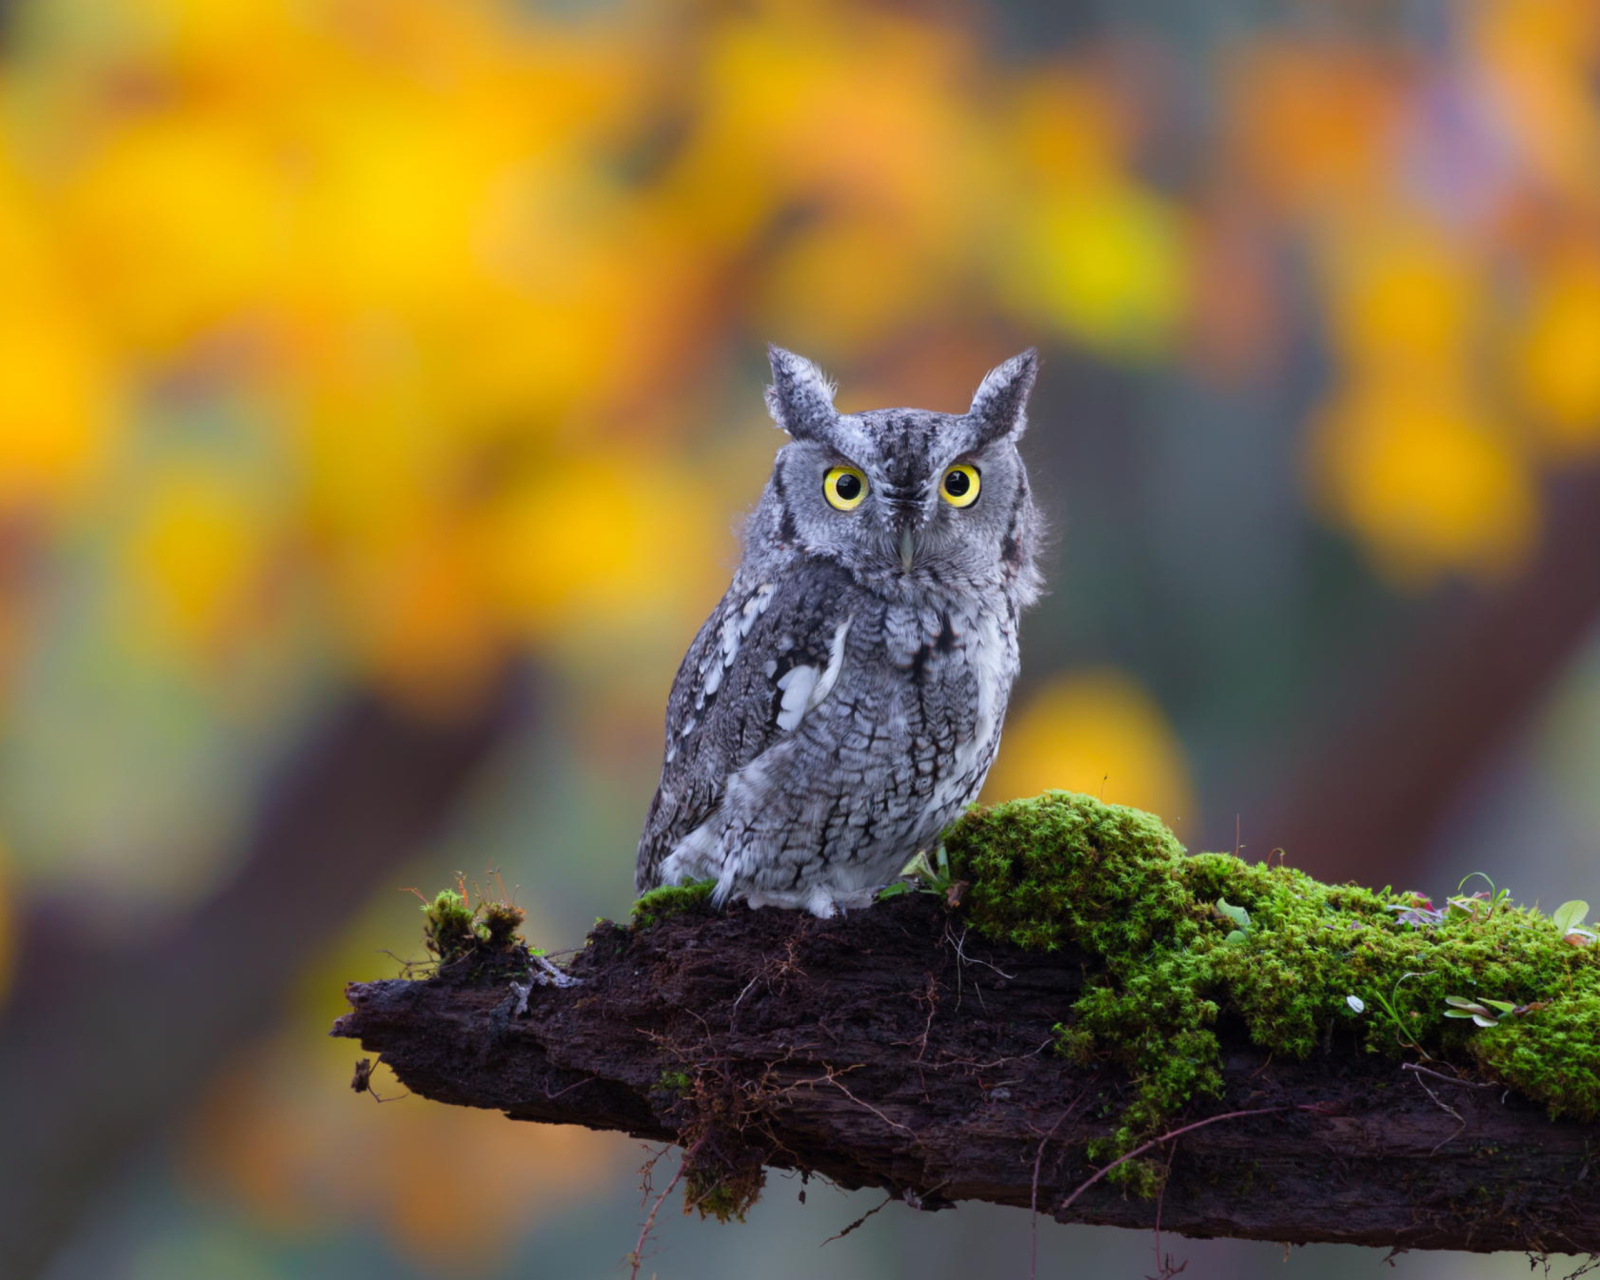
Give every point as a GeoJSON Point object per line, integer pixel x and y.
{"type": "Point", "coordinates": [576, 542]}
{"type": "Point", "coordinates": [176, 223]}
{"type": "Point", "coordinates": [433, 241]}
{"type": "Point", "coordinates": [1428, 482]}
{"type": "Point", "coordinates": [57, 413]}
{"type": "Point", "coordinates": [411, 233]}
{"type": "Point", "coordinates": [1100, 732]}
{"type": "Point", "coordinates": [198, 552]}
{"type": "Point", "coordinates": [1103, 262]}
{"type": "Point", "coordinates": [1404, 301]}
{"type": "Point", "coordinates": [1091, 252]}
{"type": "Point", "coordinates": [1556, 359]}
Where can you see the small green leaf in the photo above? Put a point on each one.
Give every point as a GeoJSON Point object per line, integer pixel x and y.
{"type": "Point", "coordinates": [918, 866]}
{"type": "Point", "coordinates": [1569, 915]}
{"type": "Point", "coordinates": [1460, 1002]}
{"type": "Point", "coordinates": [1505, 1006]}
{"type": "Point", "coordinates": [893, 890]}
{"type": "Point", "coordinates": [1238, 915]}
{"type": "Point", "coordinates": [1459, 1013]}
{"type": "Point", "coordinates": [1484, 1021]}
{"type": "Point", "coordinates": [1237, 937]}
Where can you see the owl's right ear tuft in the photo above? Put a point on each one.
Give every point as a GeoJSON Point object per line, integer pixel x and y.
{"type": "Point", "coordinates": [800, 398]}
{"type": "Point", "coordinates": [1001, 404]}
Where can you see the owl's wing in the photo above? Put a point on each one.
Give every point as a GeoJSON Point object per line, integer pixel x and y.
{"type": "Point", "coordinates": [768, 654]}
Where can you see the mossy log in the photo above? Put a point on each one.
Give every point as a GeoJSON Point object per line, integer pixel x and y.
{"type": "Point", "coordinates": [898, 1048]}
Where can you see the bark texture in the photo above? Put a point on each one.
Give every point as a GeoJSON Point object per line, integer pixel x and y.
{"type": "Point", "coordinates": [893, 1050]}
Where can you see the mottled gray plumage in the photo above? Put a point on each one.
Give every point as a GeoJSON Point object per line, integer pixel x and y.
{"type": "Point", "coordinates": [843, 702]}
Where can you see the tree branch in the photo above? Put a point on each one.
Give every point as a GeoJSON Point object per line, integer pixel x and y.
{"type": "Point", "coordinates": [890, 1050]}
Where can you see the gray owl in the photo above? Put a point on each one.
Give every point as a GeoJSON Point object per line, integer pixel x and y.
{"type": "Point", "coordinates": [843, 703]}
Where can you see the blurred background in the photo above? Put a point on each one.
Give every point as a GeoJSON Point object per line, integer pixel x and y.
{"type": "Point", "coordinates": [380, 394]}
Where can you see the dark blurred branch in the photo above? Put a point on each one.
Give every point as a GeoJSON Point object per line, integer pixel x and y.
{"type": "Point", "coordinates": [1366, 793]}
{"type": "Point", "coordinates": [892, 1050]}
{"type": "Point", "coordinates": [102, 1047]}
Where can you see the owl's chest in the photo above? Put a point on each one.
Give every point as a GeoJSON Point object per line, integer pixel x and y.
{"type": "Point", "coordinates": [952, 668]}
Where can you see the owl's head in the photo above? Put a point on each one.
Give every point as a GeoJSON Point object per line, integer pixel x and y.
{"type": "Point", "coordinates": [905, 499]}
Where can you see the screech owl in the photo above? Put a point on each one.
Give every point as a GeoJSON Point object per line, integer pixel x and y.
{"type": "Point", "coordinates": [843, 703]}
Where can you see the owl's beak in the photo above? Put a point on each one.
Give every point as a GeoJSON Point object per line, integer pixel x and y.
{"type": "Point", "coordinates": [908, 547]}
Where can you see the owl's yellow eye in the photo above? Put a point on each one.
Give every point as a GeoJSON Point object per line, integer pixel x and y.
{"type": "Point", "coordinates": [844, 488]}
{"type": "Point", "coordinates": [960, 485]}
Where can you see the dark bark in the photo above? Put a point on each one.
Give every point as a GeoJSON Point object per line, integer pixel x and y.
{"type": "Point", "coordinates": [103, 1045]}
{"type": "Point", "coordinates": [893, 1050]}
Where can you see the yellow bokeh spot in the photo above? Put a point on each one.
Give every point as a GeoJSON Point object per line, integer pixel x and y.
{"type": "Point", "coordinates": [58, 408]}
{"type": "Point", "coordinates": [178, 223]}
{"type": "Point", "coordinates": [1099, 732]}
{"type": "Point", "coordinates": [1103, 262]}
{"type": "Point", "coordinates": [196, 554]}
{"type": "Point", "coordinates": [588, 542]}
{"type": "Point", "coordinates": [1556, 357]}
{"type": "Point", "coordinates": [56, 412]}
{"type": "Point", "coordinates": [1401, 296]}
{"type": "Point", "coordinates": [1426, 482]}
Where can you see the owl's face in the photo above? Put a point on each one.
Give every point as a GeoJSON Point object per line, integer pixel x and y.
{"type": "Point", "coordinates": [906, 499]}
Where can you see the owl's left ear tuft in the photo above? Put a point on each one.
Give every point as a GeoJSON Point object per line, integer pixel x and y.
{"type": "Point", "coordinates": [800, 398]}
{"type": "Point", "coordinates": [1000, 406]}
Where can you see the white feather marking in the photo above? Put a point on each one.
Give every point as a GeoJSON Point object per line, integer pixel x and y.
{"type": "Point", "coordinates": [804, 687]}
{"type": "Point", "coordinates": [712, 684]}
{"type": "Point", "coordinates": [754, 607]}
{"type": "Point", "coordinates": [991, 662]}
{"type": "Point", "coordinates": [735, 627]}
{"type": "Point", "coordinates": [830, 675]}
{"type": "Point", "coordinates": [797, 684]}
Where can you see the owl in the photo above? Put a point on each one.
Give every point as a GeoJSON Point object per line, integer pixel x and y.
{"type": "Point", "coordinates": [843, 703]}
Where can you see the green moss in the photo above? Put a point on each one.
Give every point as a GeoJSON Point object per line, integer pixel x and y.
{"type": "Point", "coordinates": [678, 1082]}
{"type": "Point", "coordinates": [448, 927]}
{"type": "Point", "coordinates": [1552, 1055]}
{"type": "Point", "coordinates": [724, 1201]}
{"type": "Point", "coordinates": [453, 931]}
{"type": "Point", "coordinates": [1175, 955]}
{"type": "Point", "coordinates": [669, 900]}
{"type": "Point", "coordinates": [499, 924]}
